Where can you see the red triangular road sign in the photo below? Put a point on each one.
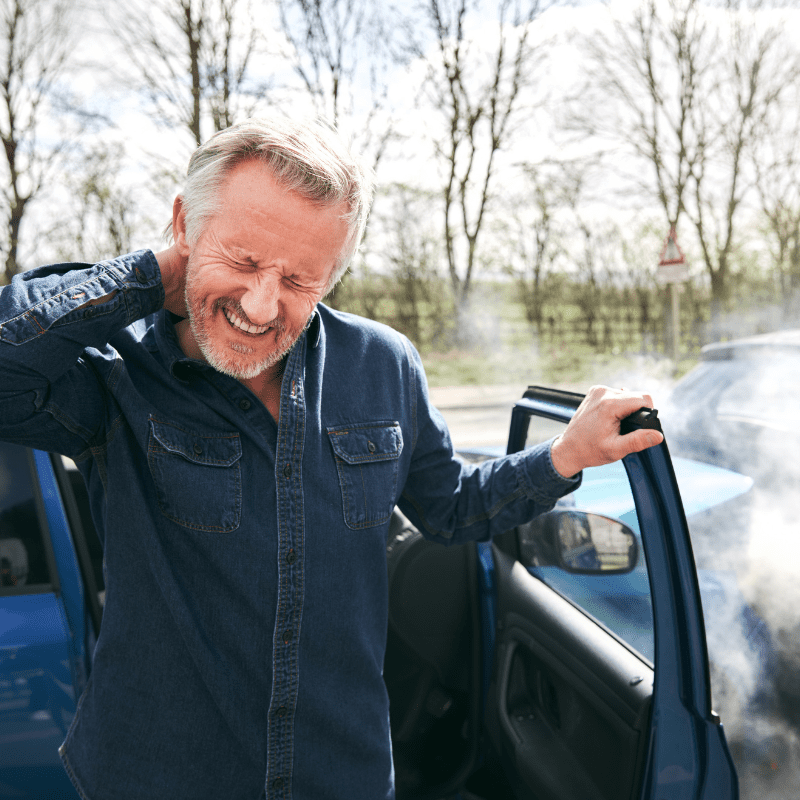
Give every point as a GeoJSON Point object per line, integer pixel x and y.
{"type": "Point", "coordinates": [672, 253]}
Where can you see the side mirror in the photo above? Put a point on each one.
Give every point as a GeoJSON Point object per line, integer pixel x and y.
{"type": "Point", "coordinates": [579, 542]}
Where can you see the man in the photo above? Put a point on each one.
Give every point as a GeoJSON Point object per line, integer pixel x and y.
{"type": "Point", "coordinates": [243, 448]}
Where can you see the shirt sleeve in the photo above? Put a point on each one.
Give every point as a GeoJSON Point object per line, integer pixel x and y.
{"type": "Point", "coordinates": [51, 395]}
{"type": "Point", "coordinates": [452, 501]}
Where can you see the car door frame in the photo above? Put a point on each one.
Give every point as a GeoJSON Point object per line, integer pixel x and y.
{"type": "Point", "coordinates": [687, 754]}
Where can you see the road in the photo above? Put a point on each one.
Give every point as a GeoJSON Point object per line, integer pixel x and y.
{"type": "Point", "coordinates": [477, 415]}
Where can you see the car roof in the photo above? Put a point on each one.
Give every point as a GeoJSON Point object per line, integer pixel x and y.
{"type": "Point", "coordinates": [748, 347]}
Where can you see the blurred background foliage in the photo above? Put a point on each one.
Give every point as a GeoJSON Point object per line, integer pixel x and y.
{"type": "Point", "coordinates": [531, 156]}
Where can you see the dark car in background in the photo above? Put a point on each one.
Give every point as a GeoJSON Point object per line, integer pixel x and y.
{"type": "Point", "coordinates": [740, 408]}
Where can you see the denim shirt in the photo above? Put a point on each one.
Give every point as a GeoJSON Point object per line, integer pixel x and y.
{"type": "Point", "coordinates": [244, 627]}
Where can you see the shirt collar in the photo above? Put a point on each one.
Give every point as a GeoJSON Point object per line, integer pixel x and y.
{"type": "Point", "coordinates": [314, 330]}
{"type": "Point", "coordinates": [179, 364]}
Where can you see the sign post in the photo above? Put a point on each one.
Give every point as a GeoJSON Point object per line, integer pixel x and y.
{"type": "Point", "coordinates": [673, 270]}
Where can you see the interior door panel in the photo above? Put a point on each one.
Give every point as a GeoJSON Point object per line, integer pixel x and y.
{"type": "Point", "coordinates": [569, 704]}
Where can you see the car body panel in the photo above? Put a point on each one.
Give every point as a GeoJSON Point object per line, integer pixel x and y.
{"type": "Point", "coordinates": [45, 647]}
{"type": "Point", "coordinates": [37, 695]}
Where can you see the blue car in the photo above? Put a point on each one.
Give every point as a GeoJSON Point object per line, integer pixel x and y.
{"type": "Point", "coordinates": [499, 685]}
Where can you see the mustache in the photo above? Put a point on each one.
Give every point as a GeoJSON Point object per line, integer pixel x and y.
{"type": "Point", "coordinates": [278, 324]}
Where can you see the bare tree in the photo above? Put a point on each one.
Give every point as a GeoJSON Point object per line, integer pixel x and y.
{"type": "Point", "coordinates": [529, 234]}
{"type": "Point", "coordinates": [344, 51]}
{"type": "Point", "coordinates": [647, 79]}
{"type": "Point", "coordinates": [637, 249]}
{"type": "Point", "coordinates": [35, 45]}
{"type": "Point", "coordinates": [776, 162]}
{"type": "Point", "coordinates": [473, 87]}
{"type": "Point", "coordinates": [689, 98]}
{"type": "Point", "coordinates": [412, 253]}
{"type": "Point", "coordinates": [193, 60]}
{"type": "Point", "coordinates": [594, 256]}
{"type": "Point", "coordinates": [757, 70]}
{"type": "Point", "coordinates": [102, 217]}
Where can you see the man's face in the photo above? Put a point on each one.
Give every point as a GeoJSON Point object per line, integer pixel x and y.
{"type": "Point", "coordinates": [257, 271]}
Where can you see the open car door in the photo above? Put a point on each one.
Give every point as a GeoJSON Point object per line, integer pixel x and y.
{"type": "Point", "coordinates": [601, 692]}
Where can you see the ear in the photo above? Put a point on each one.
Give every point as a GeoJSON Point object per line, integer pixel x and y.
{"type": "Point", "coordinates": [179, 227]}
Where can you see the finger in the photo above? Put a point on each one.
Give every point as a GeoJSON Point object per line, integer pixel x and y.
{"type": "Point", "coordinates": [636, 441]}
{"type": "Point", "coordinates": [625, 406]}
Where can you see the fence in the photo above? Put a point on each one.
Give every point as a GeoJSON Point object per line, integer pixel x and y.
{"type": "Point", "coordinates": [602, 319]}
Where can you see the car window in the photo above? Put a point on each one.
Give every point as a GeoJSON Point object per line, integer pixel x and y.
{"type": "Point", "coordinates": [621, 602]}
{"type": "Point", "coordinates": [764, 391]}
{"type": "Point", "coordinates": [24, 564]}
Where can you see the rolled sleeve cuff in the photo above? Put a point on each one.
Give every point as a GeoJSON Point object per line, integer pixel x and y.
{"type": "Point", "coordinates": [540, 479]}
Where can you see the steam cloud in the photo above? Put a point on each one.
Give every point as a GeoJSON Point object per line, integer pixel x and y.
{"type": "Point", "coordinates": [755, 542]}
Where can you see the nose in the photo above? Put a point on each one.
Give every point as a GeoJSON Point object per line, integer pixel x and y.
{"type": "Point", "coordinates": [261, 298]}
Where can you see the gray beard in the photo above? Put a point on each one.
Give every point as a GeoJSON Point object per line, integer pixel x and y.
{"type": "Point", "coordinates": [225, 363]}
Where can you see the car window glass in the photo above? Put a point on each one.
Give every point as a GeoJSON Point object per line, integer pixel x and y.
{"type": "Point", "coordinates": [23, 558]}
{"type": "Point", "coordinates": [764, 391]}
{"type": "Point", "coordinates": [621, 602]}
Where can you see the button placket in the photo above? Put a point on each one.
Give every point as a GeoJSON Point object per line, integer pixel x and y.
{"type": "Point", "coordinates": [286, 638]}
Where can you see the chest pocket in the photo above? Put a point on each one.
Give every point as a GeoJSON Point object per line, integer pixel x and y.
{"type": "Point", "coordinates": [197, 477]}
{"type": "Point", "coordinates": [367, 458]}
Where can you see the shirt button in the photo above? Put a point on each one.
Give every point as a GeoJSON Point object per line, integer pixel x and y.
{"type": "Point", "coordinates": [198, 451]}
{"type": "Point", "coordinates": [244, 404]}
{"type": "Point", "coordinates": [291, 557]}
{"type": "Point", "coordinates": [371, 447]}
{"type": "Point", "coordinates": [281, 712]}
{"type": "Point", "coordinates": [277, 784]}
{"type": "Point", "coordinates": [287, 471]}
{"type": "Point", "coordinates": [287, 636]}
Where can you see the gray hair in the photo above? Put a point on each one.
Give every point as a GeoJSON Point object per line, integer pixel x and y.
{"type": "Point", "coordinates": [308, 157]}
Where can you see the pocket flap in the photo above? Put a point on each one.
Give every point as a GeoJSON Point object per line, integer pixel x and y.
{"type": "Point", "coordinates": [358, 444]}
{"type": "Point", "coordinates": [215, 450]}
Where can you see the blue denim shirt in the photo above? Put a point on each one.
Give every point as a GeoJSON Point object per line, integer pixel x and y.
{"type": "Point", "coordinates": [245, 616]}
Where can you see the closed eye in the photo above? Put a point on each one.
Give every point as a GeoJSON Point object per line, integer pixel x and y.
{"type": "Point", "coordinates": [244, 264]}
{"type": "Point", "coordinates": [295, 282]}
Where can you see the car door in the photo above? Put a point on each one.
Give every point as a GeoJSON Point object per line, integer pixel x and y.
{"type": "Point", "coordinates": [46, 628]}
{"type": "Point", "coordinates": [573, 709]}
